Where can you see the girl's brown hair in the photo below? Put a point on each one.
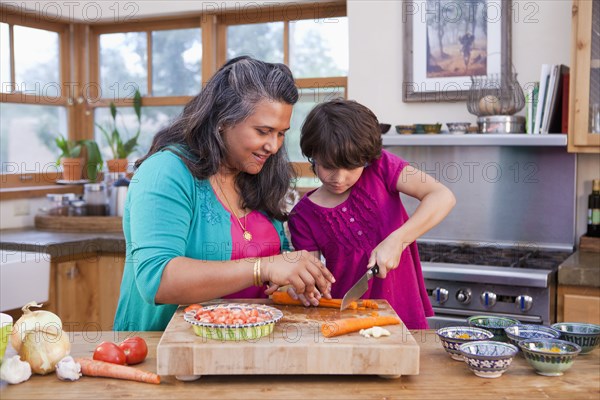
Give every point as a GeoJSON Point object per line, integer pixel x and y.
{"type": "Point", "coordinates": [341, 134]}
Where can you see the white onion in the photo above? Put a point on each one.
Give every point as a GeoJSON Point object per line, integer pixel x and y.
{"type": "Point", "coordinates": [39, 339]}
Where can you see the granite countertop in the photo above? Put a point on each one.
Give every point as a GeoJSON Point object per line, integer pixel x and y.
{"type": "Point", "coordinates": [61, 244]}
{"type": "Point", "coordinates": [582, 268]}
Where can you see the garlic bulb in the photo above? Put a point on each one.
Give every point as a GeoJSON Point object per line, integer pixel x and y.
{"type": "Point", "coordinates": [14, 370]}
{"type": "Point", "coordinates": [68, 370]}
{"type": "Point", "coordinates": [38, 338]}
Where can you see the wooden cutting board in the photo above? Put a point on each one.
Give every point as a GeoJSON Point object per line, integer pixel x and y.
{"type": "Point", "coordinates": [295, 346]}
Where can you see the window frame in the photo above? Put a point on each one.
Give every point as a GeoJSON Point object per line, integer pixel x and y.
{"type": "Point", "coordinates": [79, 62]}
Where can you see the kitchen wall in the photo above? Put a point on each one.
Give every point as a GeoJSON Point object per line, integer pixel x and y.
{"type": "Point", "coordinates": [376, 60]}
{"type": "Point", "coordinates": [375, 76]}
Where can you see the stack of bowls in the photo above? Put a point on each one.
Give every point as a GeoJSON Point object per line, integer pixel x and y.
{"type": "Point", "coordinates": [587, 336]}
{"type": "Point", "coordinates": [493, 324]}
{"type": "Point", "coordinates": [453, 336]}
{"type": "Point", "coordinates": [488, 359]}
{"type": "Point", "coordinates": [549, 357]}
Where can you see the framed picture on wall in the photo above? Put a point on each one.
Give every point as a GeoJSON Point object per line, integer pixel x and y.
{"type": "Point", "coordinates": [448, 41]}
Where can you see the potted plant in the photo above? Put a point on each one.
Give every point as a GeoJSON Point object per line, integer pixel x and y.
{"type": "Point", "coordinates": [71, 159]}
{"type": "Point", "coordinates": [119, 146]}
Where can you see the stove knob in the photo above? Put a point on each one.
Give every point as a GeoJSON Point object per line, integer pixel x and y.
{"type": "Point", "coordinates": [524, 303]}
{"type": "Point", "coordinates": [463, 296]}
{"type": "Point", "coordinates": [441, 295]}
{"type": "Point", "coordinates": [488, 299]}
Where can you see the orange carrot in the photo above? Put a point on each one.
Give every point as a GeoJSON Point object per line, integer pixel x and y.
{"type": "Point", "coordinates": [108, 370]}
{"type": "Point", "coordinates": [285, 299]}
{"type": "Point", "coordinates": [369, 304]}
{"type": "Point", "coordinates": [348, 325]}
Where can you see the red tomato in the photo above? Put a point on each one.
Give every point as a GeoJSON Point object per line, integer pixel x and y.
{"type": "Point", "coordinates": [135, 350]}
{"type": "Point", "coordinates": [110, 352]}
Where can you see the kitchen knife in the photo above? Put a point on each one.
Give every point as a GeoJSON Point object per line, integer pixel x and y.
{"type": "Point", "coordinates": [359, 288]}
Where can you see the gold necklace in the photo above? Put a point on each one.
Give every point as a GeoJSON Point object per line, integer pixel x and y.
{"type": "Point", "coordinates": [247, 235]}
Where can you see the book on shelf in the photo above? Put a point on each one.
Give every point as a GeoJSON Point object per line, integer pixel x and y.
{"type": "Point", "coordinates": [531, 97]}
{"type": "Point", "coordinates": [552, 115]}
{"type": "Point", "coordinates": [539, 113]}
{"type": "Point", "coordinates": [565, 103]}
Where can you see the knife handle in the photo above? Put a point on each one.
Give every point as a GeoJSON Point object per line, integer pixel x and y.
{"type": "Point", "coordinates": [374, 270]}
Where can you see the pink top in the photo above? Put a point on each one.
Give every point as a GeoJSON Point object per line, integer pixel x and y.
{"type": "Point", "coordinates": [347, 234]}
{"type": "Point", "coordinates": [265, 242]}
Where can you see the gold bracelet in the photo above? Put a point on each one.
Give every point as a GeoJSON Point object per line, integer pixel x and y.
{"type": "Point", "coordinates": [257, 281]}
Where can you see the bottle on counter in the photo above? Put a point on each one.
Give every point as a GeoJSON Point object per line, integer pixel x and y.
{"type": "Point", "coordinates": [118, 195]}
{"type": "Point", "coordinates": [593, 227]}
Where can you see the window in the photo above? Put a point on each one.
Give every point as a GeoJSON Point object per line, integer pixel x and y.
{"type": "Point", "coordinates": [33, 111]}
{"type": "Point", "coordinates": [164, 64]}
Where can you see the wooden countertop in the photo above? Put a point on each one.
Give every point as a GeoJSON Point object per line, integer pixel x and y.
{"type": "Point", "coordinates": [440, 378]}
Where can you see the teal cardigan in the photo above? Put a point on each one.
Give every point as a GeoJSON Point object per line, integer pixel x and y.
{"type": "Point", "coordinates": [168, 213]}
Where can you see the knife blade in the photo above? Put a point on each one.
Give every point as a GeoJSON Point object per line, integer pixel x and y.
{"type": "Point", "coordinates": [359, 288]}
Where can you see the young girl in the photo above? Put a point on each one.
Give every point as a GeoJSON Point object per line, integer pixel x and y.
{"type": "Point", "coordinates": [356, 218]}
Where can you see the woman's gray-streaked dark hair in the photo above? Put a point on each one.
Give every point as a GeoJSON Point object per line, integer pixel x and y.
{"type": "Point", "coordinates": [228, 98]}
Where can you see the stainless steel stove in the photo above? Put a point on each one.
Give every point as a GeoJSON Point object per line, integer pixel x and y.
{"type": "Point", "coordinates": [466, 280]}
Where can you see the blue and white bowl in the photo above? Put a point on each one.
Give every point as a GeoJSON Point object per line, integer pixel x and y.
{"type": "Point", "coordinates": [488, 359]}
{"type": "Point", "coordinates": [549, 357]}
{"type": "Point", "coordinates": [517, 333]}
{"type": "Point", "coordinates": [586, 336]}
{"type": "Point", "coordinates": [453, 336]}
{"type": "Point", "coordinates": [493, 324]}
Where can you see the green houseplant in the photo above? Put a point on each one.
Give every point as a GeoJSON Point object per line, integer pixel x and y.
{"type": "Point", "coordinates": [71, 159]}
{"type": "Point", "coordinates": [120, 147]}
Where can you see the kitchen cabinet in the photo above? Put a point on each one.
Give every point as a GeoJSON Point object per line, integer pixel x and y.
{"type": "Point", "coordinates": [584, 89]}
{"type": "Point", "coordinates": [86, 291]}
{"type": "Point", "coordinates": [578, 304]}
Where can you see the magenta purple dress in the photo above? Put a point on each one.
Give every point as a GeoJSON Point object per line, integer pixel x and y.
{"type": "Point", "coordinates": [347, 234]}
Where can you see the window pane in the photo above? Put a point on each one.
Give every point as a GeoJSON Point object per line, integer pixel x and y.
{"type": "Point", "coordinates": [4, 58]}
{"type": "Point", "coordinates": [153, 119]}
{"type": "Point", "coordinates": [123, 64]}
{"type": "Point", "coordinates": [261, 41]}
{"type": "Point", "coordinates": [176, 62]}
{"type": "Point", "coordinates": [319, 48]}
{"type": "Point", "coordinates": [37, 61]}
{"type": "Point", "coordinates": [308, 99]}
{"type": "Point", "coordinates": [27, 135]}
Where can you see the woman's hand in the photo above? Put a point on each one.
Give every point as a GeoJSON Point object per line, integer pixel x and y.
{"type": "Point", "coordinates": [387, 254]}
{"type": "Point", "coordinates": [305, 273]}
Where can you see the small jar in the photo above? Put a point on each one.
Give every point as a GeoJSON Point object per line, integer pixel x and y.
{"type": "Point", "coordinates": [96, 198]}
{"type": "Point", "coordinates": [58, 203]}
{"type": "Point", "coordinates": [78, 208]}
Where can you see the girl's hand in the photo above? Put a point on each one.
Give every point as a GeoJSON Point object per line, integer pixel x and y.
{"type": "Point", "coordinates": [300, 269]}
{"type": "Point", "coordinates": [387, 255]}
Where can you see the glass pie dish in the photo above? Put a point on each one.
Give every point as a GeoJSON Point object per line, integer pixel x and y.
{"type": "Point", "coordinates": [267, 317]}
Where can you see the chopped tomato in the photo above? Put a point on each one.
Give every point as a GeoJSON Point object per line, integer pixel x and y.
{"type": "Point", "coordinates": [192, 307]}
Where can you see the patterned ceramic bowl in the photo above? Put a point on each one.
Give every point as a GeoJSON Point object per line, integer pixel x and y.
{"type": "Point", "coordinates": [453, 336]}
{"type": "Point", "coordinates": [517, 333]}
{"type": "Point", "coordinates": [458, 127]}
{"type": "Point", "coordinates": [269, 316]}
{"type": "Point", "coordinates": [549, 357]}
{"type": "Point", "coordinates": [384, 128]}
{"type": "Point", "coordinates": [488, 359]}
{"type": "Point", "coordinates": [405, 129]}
{"type": "Point", "coordinates": [586, 336]}
{"type": "Point", "coordinates": [493, 324]}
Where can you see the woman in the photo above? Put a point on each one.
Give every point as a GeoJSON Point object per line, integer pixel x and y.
{"type": "Point", "coordinates": [203, 214]}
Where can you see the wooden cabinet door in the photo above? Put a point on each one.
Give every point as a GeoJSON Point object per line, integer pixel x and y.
{"type": "Point", "coordinates": [87, 292]}
{"type": "Point", "coordinates": [76, 294]}
{"type": "Point", "coordinates": [579, 308]}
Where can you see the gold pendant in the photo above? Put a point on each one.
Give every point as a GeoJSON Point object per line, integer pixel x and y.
{"type": "Point", "coordinates": [247, 235]}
